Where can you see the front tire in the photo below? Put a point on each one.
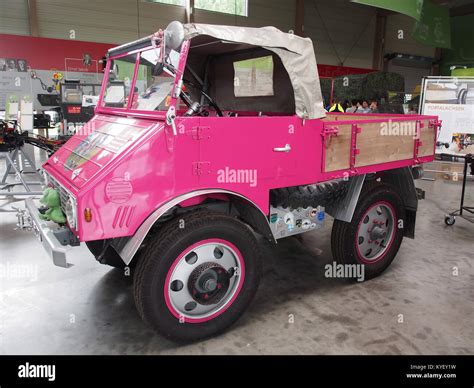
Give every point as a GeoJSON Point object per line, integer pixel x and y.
{"type": "Point", "coordinates": [198, 275]}
{"type": "Point", "coordinates": [374, 235]}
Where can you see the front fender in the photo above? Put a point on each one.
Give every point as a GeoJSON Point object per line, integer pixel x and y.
{"type": "Point", "coordinates": [127, 247]}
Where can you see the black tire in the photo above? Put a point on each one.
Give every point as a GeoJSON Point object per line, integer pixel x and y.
{"type": "Point", "coordinates": [322, 194]}
{"type": "Point", "coordinates": [110, 257]}
{"type": "Point", "coordinates": [449, 220]}
{"type": "Point", "coordinates": [344, 236]}
{"type": "Point", "coordinates": [164, 251]}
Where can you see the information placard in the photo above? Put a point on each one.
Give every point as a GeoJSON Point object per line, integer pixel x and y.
{"type": "Point", "coordinates": [452, 100]}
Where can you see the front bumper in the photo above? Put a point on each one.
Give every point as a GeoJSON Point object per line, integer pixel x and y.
{"type": "Point", "coordinates": [29, 219]}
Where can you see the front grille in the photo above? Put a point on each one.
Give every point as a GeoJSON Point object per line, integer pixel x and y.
{"type": "Point", "coordinates": [63, 194]}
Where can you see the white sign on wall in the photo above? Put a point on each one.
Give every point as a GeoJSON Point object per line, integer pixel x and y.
{"type": "Point", "coordinates": [452, 100]}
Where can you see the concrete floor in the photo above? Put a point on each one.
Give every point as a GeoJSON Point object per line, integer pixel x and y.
{"type": "Point", "coordinates": [88, 309]}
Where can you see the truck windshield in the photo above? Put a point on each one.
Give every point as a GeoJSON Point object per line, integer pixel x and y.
{"type": "Point", "coordinates": [153, 86]}
{"type": "Point", "coordinates": [154, 83]}
{"type": "Point", "coordinates": [119, 81]}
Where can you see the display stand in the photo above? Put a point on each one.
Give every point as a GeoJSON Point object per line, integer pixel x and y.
{"type": "Point", "coordinates": [450, 219]}
{"type": "Point", "coordinates": [15, 161]}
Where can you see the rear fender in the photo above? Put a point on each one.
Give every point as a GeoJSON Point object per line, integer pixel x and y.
{"type": "Point", "coordinates": [403, 180]}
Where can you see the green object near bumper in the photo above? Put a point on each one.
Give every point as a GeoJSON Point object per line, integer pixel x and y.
{"type": "Point", "coordinates": [52, 200]}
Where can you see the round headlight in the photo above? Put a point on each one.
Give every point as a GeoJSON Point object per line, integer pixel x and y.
{"type": "Point", "coordinates": [71, 214]}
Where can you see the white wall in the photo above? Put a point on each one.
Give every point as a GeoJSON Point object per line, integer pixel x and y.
{"type": "Point", "coordinates": [277, 13]}
{"type": "Point", "coordinates": [393, 44]}
{"type": "Point", "coordinates": [103, 20]}
{"type": "Point", "coordinates": [14, 17]}
{"type": "Point", "coordinates": [351, 26]}
{"type": "Point", "coordinates": [407, 45]}
{"type": "Point", "coordinates": [347, 25]}
{"type": "Point", "coordinates": [119, 21]}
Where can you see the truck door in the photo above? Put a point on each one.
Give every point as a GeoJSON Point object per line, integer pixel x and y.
{"type": "Point", "coordinates": [248, 150]}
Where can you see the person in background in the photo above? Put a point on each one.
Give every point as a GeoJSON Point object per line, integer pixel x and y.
{"type": "Point", "coordinates": [337, 107]}
{"type": "Point", "coordinates": [345, 105]}
{"type": "Point", "coordinates": [365, 107]}
{"type": "Point", "coordinates": [327, 106]}
{"type": "Point", "coordinates": [353, 108]}
{"type": "Point", "coordinates": [411, 110]}
{"type": "Point", "coordinates": [11, 65]}
{"type": "Point", "coordinates": [374, 107]}
{"type": "Point", "coordinates": [22, 65]}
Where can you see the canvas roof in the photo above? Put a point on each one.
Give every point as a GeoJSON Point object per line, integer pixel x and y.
{"type": "Point", "coordinates": [296, 54]}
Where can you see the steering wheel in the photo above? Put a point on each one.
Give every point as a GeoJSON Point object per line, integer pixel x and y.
{"type": "Point", "coordinates": [196, 106]}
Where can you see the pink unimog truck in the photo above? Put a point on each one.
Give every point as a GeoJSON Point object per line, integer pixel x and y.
{"type": "Point", "coordinates": [207, 138]}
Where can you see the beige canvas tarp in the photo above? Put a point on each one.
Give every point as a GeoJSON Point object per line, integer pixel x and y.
{"type": "Point", "coordinates": [296, 54]}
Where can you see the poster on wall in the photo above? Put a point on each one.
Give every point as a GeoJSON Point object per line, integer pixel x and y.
{"type": "Point", "coordinates": [36, 66]}
{"type": "Point", "coordinates": [13, 64]}
{"type": "Point", "coordinates": [452, 100]}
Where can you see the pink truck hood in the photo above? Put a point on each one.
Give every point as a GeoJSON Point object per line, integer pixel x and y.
{"type": "Point", "coordinates": [101, 141]}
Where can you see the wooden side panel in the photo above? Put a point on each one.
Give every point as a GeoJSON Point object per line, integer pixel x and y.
{"type": "Point", "coordinates": [378, 142]}
{"type": "Point", "coordinates": [338, 149]}
{"type": "Point", "coordinates": [427, 138]}
{"type": "Point", "coordinates": [377, 145]}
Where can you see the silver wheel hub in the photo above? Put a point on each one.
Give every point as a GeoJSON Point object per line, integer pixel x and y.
{"type": "Point", "coordinates": [204, 280]}
{"type": "Point", "coordinates": [209, 283]}
{"type": "Point", "coordinates": [375, 232]}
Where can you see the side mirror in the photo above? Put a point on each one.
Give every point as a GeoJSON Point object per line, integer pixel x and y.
{"type": "Point", "coordinates": [174, 36]}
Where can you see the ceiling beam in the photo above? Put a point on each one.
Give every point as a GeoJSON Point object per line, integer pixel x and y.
{"type": "Point", "coordinates": [299, 17]}
{"type": "Point", "coordinates": [189, 11]}
{"type": "Point", "coordinates": [379, 40]}
{"type": "Point", "coordinates": [33, 18]}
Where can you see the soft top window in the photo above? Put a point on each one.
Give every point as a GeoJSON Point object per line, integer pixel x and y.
{"type": "Point", "coordinates": [242, 78]}
{"type": "Point", "coordinates": [253, 77]}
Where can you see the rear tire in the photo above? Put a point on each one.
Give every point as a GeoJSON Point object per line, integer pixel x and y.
{"type": "Point", "coordinates": [375, 234]}
{"type": "Point", "coordinates": [184, 289]}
